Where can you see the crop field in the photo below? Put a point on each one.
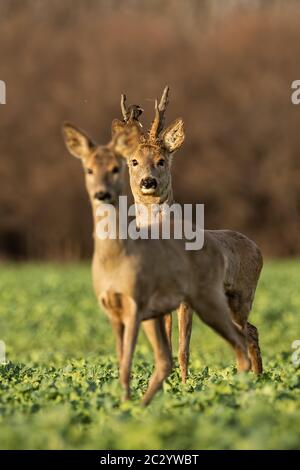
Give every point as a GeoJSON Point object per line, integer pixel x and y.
{"type": "Point", "coordinates": [59, 386]}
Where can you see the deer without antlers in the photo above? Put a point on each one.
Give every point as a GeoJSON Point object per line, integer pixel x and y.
{"type": "Point", "coordinates": [105, 181]}
{"type": "Point", "coordinates": [149, 159]}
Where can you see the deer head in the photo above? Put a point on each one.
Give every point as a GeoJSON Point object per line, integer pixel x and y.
{"type": "Point", "coordinates": [149, 157]}
{"type": "Point", "coordinates": [104, 168]}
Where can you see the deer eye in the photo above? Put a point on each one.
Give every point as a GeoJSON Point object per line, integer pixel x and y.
{"type": "Point", "coordinates": [134, 162]}
{"type": "Point", "coordinates": [115, 169]}
{"type": "Point", "coordinates": [89, 171]}
{"type": "Point", "coordinates": [161, 162]}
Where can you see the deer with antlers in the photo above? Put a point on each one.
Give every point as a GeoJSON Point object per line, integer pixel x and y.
{"type": "Point", "coordinates": [142, 280]}
{"type": "Point", "coordinates": [132, 131]}
{"type": "Point", "coordinates": [149, 159]}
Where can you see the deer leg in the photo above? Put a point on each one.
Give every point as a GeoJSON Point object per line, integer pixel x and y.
{"type": "Point", "coordinates": [118, 329]}
{"type": "Point", "coordinates": [254, 349]}
{"type": "Point", "coordinates": [240, 310]}
{"type": "Point", "coordinates": [131, 327]}
{"type": "Point", "coordinates": [240, 358]}
{"type": "Point", "coordinates": [254, 353]}
{"type": "Point", "coordinates": [168, 326]}
{"type": "Point", "coordinates": [185, 319]}
{"type": "Point", "coordinates": [156, 334]}
{"type": "Point", "coordinates": [214, 311]}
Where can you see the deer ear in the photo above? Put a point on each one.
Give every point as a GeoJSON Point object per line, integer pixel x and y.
{"type": "Point", "coordinates": [77, 142]}
{"type": "Point", "coordinates": [173, 137]}
{"type": "Point", "coordinates": [125, 137]}
{"type": "Point", "coordinates": [116, 127]}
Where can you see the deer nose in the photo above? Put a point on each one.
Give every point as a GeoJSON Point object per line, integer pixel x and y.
{"type": "Point", "coordinates": [148, 183]}
{"type": "Point", "coordinates": [102, 196]}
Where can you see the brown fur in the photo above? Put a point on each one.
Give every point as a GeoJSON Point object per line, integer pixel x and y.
{"type": "Point", "coordinates": [138, 280]}
{"type": "Point", "coordinates": [243, 259]}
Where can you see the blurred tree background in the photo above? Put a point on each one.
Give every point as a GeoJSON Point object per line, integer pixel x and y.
{"type": "Point", "coordinates": [230, 65]}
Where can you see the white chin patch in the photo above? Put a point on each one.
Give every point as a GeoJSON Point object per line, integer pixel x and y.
{"type": "Point", "coordinates": [148, 191]}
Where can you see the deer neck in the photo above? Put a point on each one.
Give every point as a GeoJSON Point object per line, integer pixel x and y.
{"type": "Point", "coordinates": [111, 248]}
{"type": "Point", "coordinates": [154, 209]}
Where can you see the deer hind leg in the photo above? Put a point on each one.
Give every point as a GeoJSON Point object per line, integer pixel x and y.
{"type": "Point", "coordinates": [131, 328]}
{"type": "Point", "coordinates": [254, 349]}
{"type": "Point", "coordinates": [213, 310]}
{"type": "Point", "coordinates": [185, 320]}
{"type": "Point", "coordinates": [168, 326]}
{"type": "Point", "coordinates": [156, 334]}
{"type": "Point", "coordinates": [240, 311]}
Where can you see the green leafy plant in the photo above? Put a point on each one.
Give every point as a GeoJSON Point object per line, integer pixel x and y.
{"type": "Point", "coordinates": [59, 388]}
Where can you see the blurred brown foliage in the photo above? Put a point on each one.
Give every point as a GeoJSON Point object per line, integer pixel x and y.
{"type": "Point", "coordinates": [230, 65]}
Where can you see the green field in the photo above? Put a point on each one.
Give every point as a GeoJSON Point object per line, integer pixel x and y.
{"type": "Point", "coordinates": [59, 388]}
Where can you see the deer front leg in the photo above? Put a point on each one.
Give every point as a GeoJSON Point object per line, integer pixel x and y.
{"type": "Point", "coordinates": [168, 326]}
{"type": "Point", "coordinates": [118, 329]}
{"type": "Point", "coordinates": [185, 320]}
{"type": "Point", "coordinates": [131, 327]}
{"type": "Point", "coordinates": [156, 333]}
{"type": "Point", "coordinates": [112, 304]}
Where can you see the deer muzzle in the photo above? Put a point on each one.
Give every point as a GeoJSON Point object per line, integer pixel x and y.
{"type": "Point", "coordinates": [103, 196]}
{"type": "Point", "coordinates": [148, 185]}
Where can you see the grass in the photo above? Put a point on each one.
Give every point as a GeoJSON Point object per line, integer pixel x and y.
{"type": "Point", "coordinates": [59, 388]}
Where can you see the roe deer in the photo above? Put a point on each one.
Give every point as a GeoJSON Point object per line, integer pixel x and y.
{"type": "Point", "coordinates": [149, 159]}
{"type": "Point", "coordinates": [138, 280]}
{"type": "Point", "coordinates": [105, 181]}
{"type": "Point", "coordinates": [126, 143]}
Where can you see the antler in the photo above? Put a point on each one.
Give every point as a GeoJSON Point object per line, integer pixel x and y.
{"type": "Point", "coordinates": [159, 118]}
{"type": "Point", "coordinates": [132, 112]}
{"type": "Point", "coordinates": [123, 107]}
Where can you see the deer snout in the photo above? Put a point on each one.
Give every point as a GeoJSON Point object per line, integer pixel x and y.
{"type": "Point", "coordinates": [102, 196]}
{"type": "Point", "coordinates": [148, 183]}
